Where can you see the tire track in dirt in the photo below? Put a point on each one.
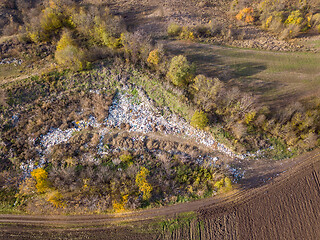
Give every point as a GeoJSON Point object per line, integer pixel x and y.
{"type": "Point", "coordinates": [288, 208]}
{"type": "Point", "coordinates": [285, 208]}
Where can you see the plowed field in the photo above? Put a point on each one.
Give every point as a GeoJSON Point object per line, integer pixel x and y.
{"type": "Point", "coordinates": [285, 208]}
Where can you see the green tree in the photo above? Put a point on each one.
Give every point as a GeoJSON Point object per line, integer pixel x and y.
{"type": "Point", "coordinates": [68, 54]}
{"type": "Point", "coordinates": [180, 71]}
{"type": "Point", "coordinates": [199, 120]}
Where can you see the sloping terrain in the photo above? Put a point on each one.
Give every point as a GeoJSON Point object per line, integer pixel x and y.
{"type": "Point", "coordinates": [286, 208]}
{"type": "Point", "coordinates": [115, 138]}
{"type": "Point", "coordinates": [277, 78]}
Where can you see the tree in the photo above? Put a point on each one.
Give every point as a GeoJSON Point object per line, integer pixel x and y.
{"type": "Point", "coordinates": [199, 120]}
{"type": "Point", "coordinates": [180, 71]}
{"type": "Point", "coordinates": [154, 57]}
{"type": "Point", "coordinates": [68, 54]}
{"type": "Point", "coordinates": [142, 183]}
{"type": "Point", "coordinates": [41, 177]}
{"type": "Point", "coordinates": [205, 91]}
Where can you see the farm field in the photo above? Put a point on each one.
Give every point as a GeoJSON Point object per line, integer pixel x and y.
{"type": "Point", "coordinates": [279, 78]}
{"type": "Point", "coordinates": [281, 209]}
{"type": "Point", "coordinates": [160, 119]}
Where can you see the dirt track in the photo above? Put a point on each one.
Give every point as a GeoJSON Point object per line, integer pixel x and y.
{"type": "Point", "coordinates": [286, 208]}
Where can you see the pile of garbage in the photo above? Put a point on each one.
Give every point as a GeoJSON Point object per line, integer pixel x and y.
{"type": "Point", "coordinates": [135, 113]}
{"type": "Point", "coordinates": [139, 116]}
{"type": "Point", "coordinates": [11, 61]}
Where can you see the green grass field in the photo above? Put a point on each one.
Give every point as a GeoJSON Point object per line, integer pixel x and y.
{"type": "Point", "coordinates": [277, 77]}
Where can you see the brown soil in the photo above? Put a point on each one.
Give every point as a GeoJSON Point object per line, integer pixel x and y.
{"type": "Point", "coordinates": [155, 141]}
{"type": "Point", "coordinates": [153, 17]}
{"type": "Point", "coordinates": [285, 208]}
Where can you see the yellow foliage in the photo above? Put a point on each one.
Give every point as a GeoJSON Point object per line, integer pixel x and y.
{"type": "Point", "coordinates": [245, 15]}
{"type": "Point", "coordinates": [199, 120]}
{"type": "Point", "coordinates": [224, 184]}
{"type": "Point", "coordinates": [268, 21]}
{"type": "Point", "coordinates": [154, 57]}
{"type": "Point", "coordinates": [174, 30]}
{"type": "Point", "coordinates": [42, 185]}
{"type": "Point", "coordinates": [51, 20]}
{"type": "Point", "coordinates": [249, 117]}
{"type": "Point", "coordinates": [186, 34]}
{"type": "Point", "coordinates": [34, 36]}
{"type": "Point", "coordinates": [142, 183]}
{"type": "Point", "coordinates": [180, 71]}
{"type": "Point", "coordinates": [219, 184]}
{"type": "Point", "coordinates": [227, 184]}
{"type": "Point", "coordinates": [41, 177]}
{"type": "Point", "coordinates": [295, 18]}
{"type": "Point", "coordinates": [119, 206]}
{"type": "Point", "coordinates": [55, 197]}
{"type": "Point", "coordinates": [297, 119]}
{"type": "Point", "coordinates": [69, 55]}
{"type": "Point", "coordinates": [65, 41]}
{"type": "Point", "coordinates": [102, 35]}
{"type": "Point", "coordinates": [126, 158]}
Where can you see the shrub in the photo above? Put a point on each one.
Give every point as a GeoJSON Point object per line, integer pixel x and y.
{"type": "Point", "coordinates": [104, 37]}
{"type": "Point", "coordinates": [119, 206]}
{"type": "Point", "coordinates": [199, 120]}
{"type": "Point", "coordinates": [295, 18]}
{"type": "Point", "coordinates": [186, 34]}
{"type": "Point", "coordinates": [180, 71]}
{"type": "Point", "coordinates": [174, 30]}
{"type": "Point", "coordinates": [249, 117]}
{"type": "Point", "coordinates": [203, 30]}
{"type": "Point", "coordinates": [54, 197]}
{"type": "Point", "coordinates": [215, 27]}
{"type": "Point", "coordinates": [245, 15]}
{"type": "Point", "coordinates": [315, 20]}
{"type": "Point", "coordinates": [69, 55]}
{"type": "Point", "coordinates": [154, 57]}
{"type": "Point", "coordinates": [27, 187]}
{"type": "Point", "coordinates": [227, 184]}
{"type": "Point", "coordinates": [49, 23]}
{"type": "Point", "coordinates": [126, 159]}
{"type": "Point", "coordinates": [239, 130]}
{"type": "Point", "coordinates": [99, 27]}
{"type": "Point", "coordinates": [65, 41]}
{"type": "Point", "coordinates": [219, 184]}
{"type": "Point", "coordinates": [142, 183]}
{"type": "Point", "coordinates": [136, 46]}
{"type": "Point", "coordinates": [41, 177]}
{"type": "Point", "coordinates": [205, 91]}
{"type": "Point", "coordinates": [290, 32]}
{"type": "Point", "coordinates": [224, 184]}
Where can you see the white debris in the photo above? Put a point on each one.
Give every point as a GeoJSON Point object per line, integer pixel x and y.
{"type": "Point", "coordinates": [142, 118]}
{"type": "Point", "coordinates": [11, 61]}
{"type": "Point", "coordinates": [140, 114]}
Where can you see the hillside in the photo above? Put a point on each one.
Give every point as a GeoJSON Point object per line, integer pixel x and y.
{"type": "Point", "coordinates": [117, 108]}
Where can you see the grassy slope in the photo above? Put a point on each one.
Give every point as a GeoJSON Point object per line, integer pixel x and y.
{"type": "Point", "coordinates": [278, 77]}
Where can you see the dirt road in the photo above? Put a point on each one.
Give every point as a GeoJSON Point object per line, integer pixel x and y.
{"type": "Point", "coordinates": [286, 207]}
